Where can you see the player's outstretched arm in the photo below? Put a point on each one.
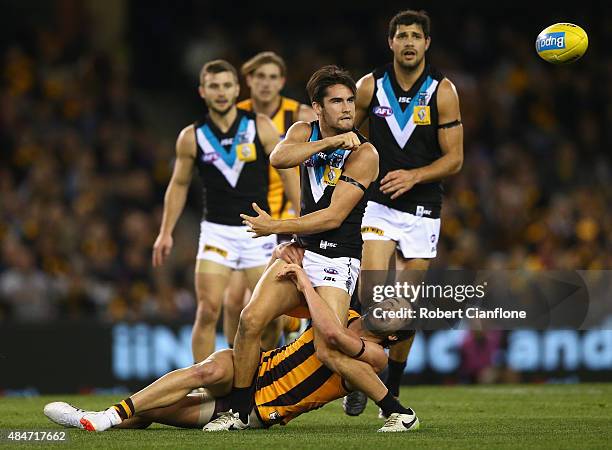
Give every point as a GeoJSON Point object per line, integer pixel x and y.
{"type": "Point", "coordinates": [326, 322]}
{"type": "Point", "coordinates": [176, 193]}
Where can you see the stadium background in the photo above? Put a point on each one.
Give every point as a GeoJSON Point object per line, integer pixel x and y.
{"type": "Point", "coordinates": [92, 97]}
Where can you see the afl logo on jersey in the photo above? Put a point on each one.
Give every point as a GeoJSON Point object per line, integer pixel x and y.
{"type": "Point", "coordinates": [382, 111]}
{"type": "Point", "coordinates": [209, 158]}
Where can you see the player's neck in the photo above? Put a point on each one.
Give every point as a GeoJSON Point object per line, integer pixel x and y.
{"type": "Point", "coordinates": [407, 77]}
{"type": "Point", "coordinates": [224, 121]}
{"type": "Point", "coordinates": [268, 108]}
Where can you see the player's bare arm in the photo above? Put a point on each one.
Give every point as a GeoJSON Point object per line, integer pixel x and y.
{"type": "Point", "coordinates": [324, 319]}
{"type": "Point", "coordinates": [176, 193]}
{"type": "Point", "coordinates": [365, 91]}
{"type": "Point", "coordinates": [269, 139]}
{"type": "Point", "coordinates": [295, 148]}
{"type": "Point", "coordinates": [450, 137]}
{"type": "Point", "coordinates": [362, 167]}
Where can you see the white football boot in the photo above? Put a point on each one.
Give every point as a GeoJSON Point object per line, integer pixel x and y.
{"type": "Point", "coordinates": [64, 414]}
{"type": "Point", "coordinates": [227, 421]}
{"type": "Point", "coordinates": [398, 422]}
{"type": "Point", "coordinates": [101, 420]}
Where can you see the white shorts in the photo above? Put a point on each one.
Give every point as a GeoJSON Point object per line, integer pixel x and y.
{"type": "Point", "coordinates": [341, 272]}
{"type": "Point", "coordinates": [416, 236]}
{"type": "Point", "coordinates": [234, 246]}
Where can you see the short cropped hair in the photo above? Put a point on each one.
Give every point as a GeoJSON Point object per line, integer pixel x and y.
{"type": "Point", "coordinates": [263, 58]}
{"type": "Point", "coordinates": [385, 328]}
{"type": "Point", "coordinates": [409, 17]}
{"type": "Point", "coordinates": [325, 77]}
{"type": "Point", "coordinates": [217, 66]}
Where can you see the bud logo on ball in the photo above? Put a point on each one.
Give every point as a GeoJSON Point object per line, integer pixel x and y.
{"type": "Point", "coordinates": [561, 43]}
{"type": "Point", "coordinates": [551, 41]}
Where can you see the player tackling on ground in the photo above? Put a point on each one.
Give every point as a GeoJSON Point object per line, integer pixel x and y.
{"type": "Point", "coordinates": [290, 380]}
{"type": "Point", "coordinates": [230, 148]}
{"type": "Point", "coordinates": [413, 118]}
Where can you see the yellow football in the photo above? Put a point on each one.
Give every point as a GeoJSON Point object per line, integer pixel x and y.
{"type": "Point", "coordinates": [562, 43]}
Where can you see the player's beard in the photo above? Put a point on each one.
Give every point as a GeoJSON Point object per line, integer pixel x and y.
{"type": "Point", "coordinates": [410, 65]}
{"type": "Point", "coordinates": [220, 112]}
{"type": "Point", "coordinates": [337, 126]}
{"type": "Point", "coordinates": [344, 129]}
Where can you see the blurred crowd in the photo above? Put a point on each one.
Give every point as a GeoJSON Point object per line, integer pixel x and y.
{"type": "Point", "coordinates": [86, 158]}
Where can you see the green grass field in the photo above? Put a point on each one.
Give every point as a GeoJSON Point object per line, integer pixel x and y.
{"type": "Point", "coordinates": [513, 416]}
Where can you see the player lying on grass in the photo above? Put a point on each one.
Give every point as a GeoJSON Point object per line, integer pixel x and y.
{"type": "Point", "coordinates": [289, 381]}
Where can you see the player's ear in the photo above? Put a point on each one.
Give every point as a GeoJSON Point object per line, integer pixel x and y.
{"type": "Point", "coordinates": [317, 108]}
{"type": "Point", "coordinates": [201, 91]}
{"type": "Point", "coordinates": [390, 42]}
{"type": "Point", "coordinates": [283, 80]}
{"type": "Point", "coordinates": [427, 42]}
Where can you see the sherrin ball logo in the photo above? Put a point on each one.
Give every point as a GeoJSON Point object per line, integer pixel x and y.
{"type": "Point", "coordinates": [562, 43]}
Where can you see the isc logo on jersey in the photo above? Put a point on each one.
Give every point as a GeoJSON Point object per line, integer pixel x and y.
{"type": "Point", "coordinates": [562, 43]}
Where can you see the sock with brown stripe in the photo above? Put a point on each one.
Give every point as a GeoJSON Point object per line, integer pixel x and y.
{"type": "Point", "coordinates": [125, 408]}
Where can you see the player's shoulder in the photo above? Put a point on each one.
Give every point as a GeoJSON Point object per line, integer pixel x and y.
{"type": "Point", "coordinates": [366, 80]}
{"type": "Point", "coordinates": [366, 84]}
{"type": "Point", "coordinates": [186, 141]}
{"type": "Point", "coordinates": [188, 132]}
{"type": "Point", "coordinates": [300, 130]}
{"type": "Point", "coordinates": [447, 84]}
{"type": "Point", "coordinates": [447, 91]}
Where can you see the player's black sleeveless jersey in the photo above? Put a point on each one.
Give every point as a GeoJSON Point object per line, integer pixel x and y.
{"type": "Point", "coordinates": [403, 126]}
{"type": "Point", "coordinates": [233, 167]}
{"type": "Point", "coordinates": [319, 175]}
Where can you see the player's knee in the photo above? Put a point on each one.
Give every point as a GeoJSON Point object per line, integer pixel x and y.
{"type": "Point", "coordinates": [207, 312]}
{"type": "Point", "coordinates": [252, 322]}
{"type": "Point", "coordinates": [206, 373]}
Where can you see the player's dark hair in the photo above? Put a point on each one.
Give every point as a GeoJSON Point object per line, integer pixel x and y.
{"type": "Point", "coordinates": [385, 328]}
{"type": "Point", "coordinates": [325, 77]}
{"type": "Point", "coordinates": [217, 66]}
{"type": "Point", "coordinates": [409, 17]}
